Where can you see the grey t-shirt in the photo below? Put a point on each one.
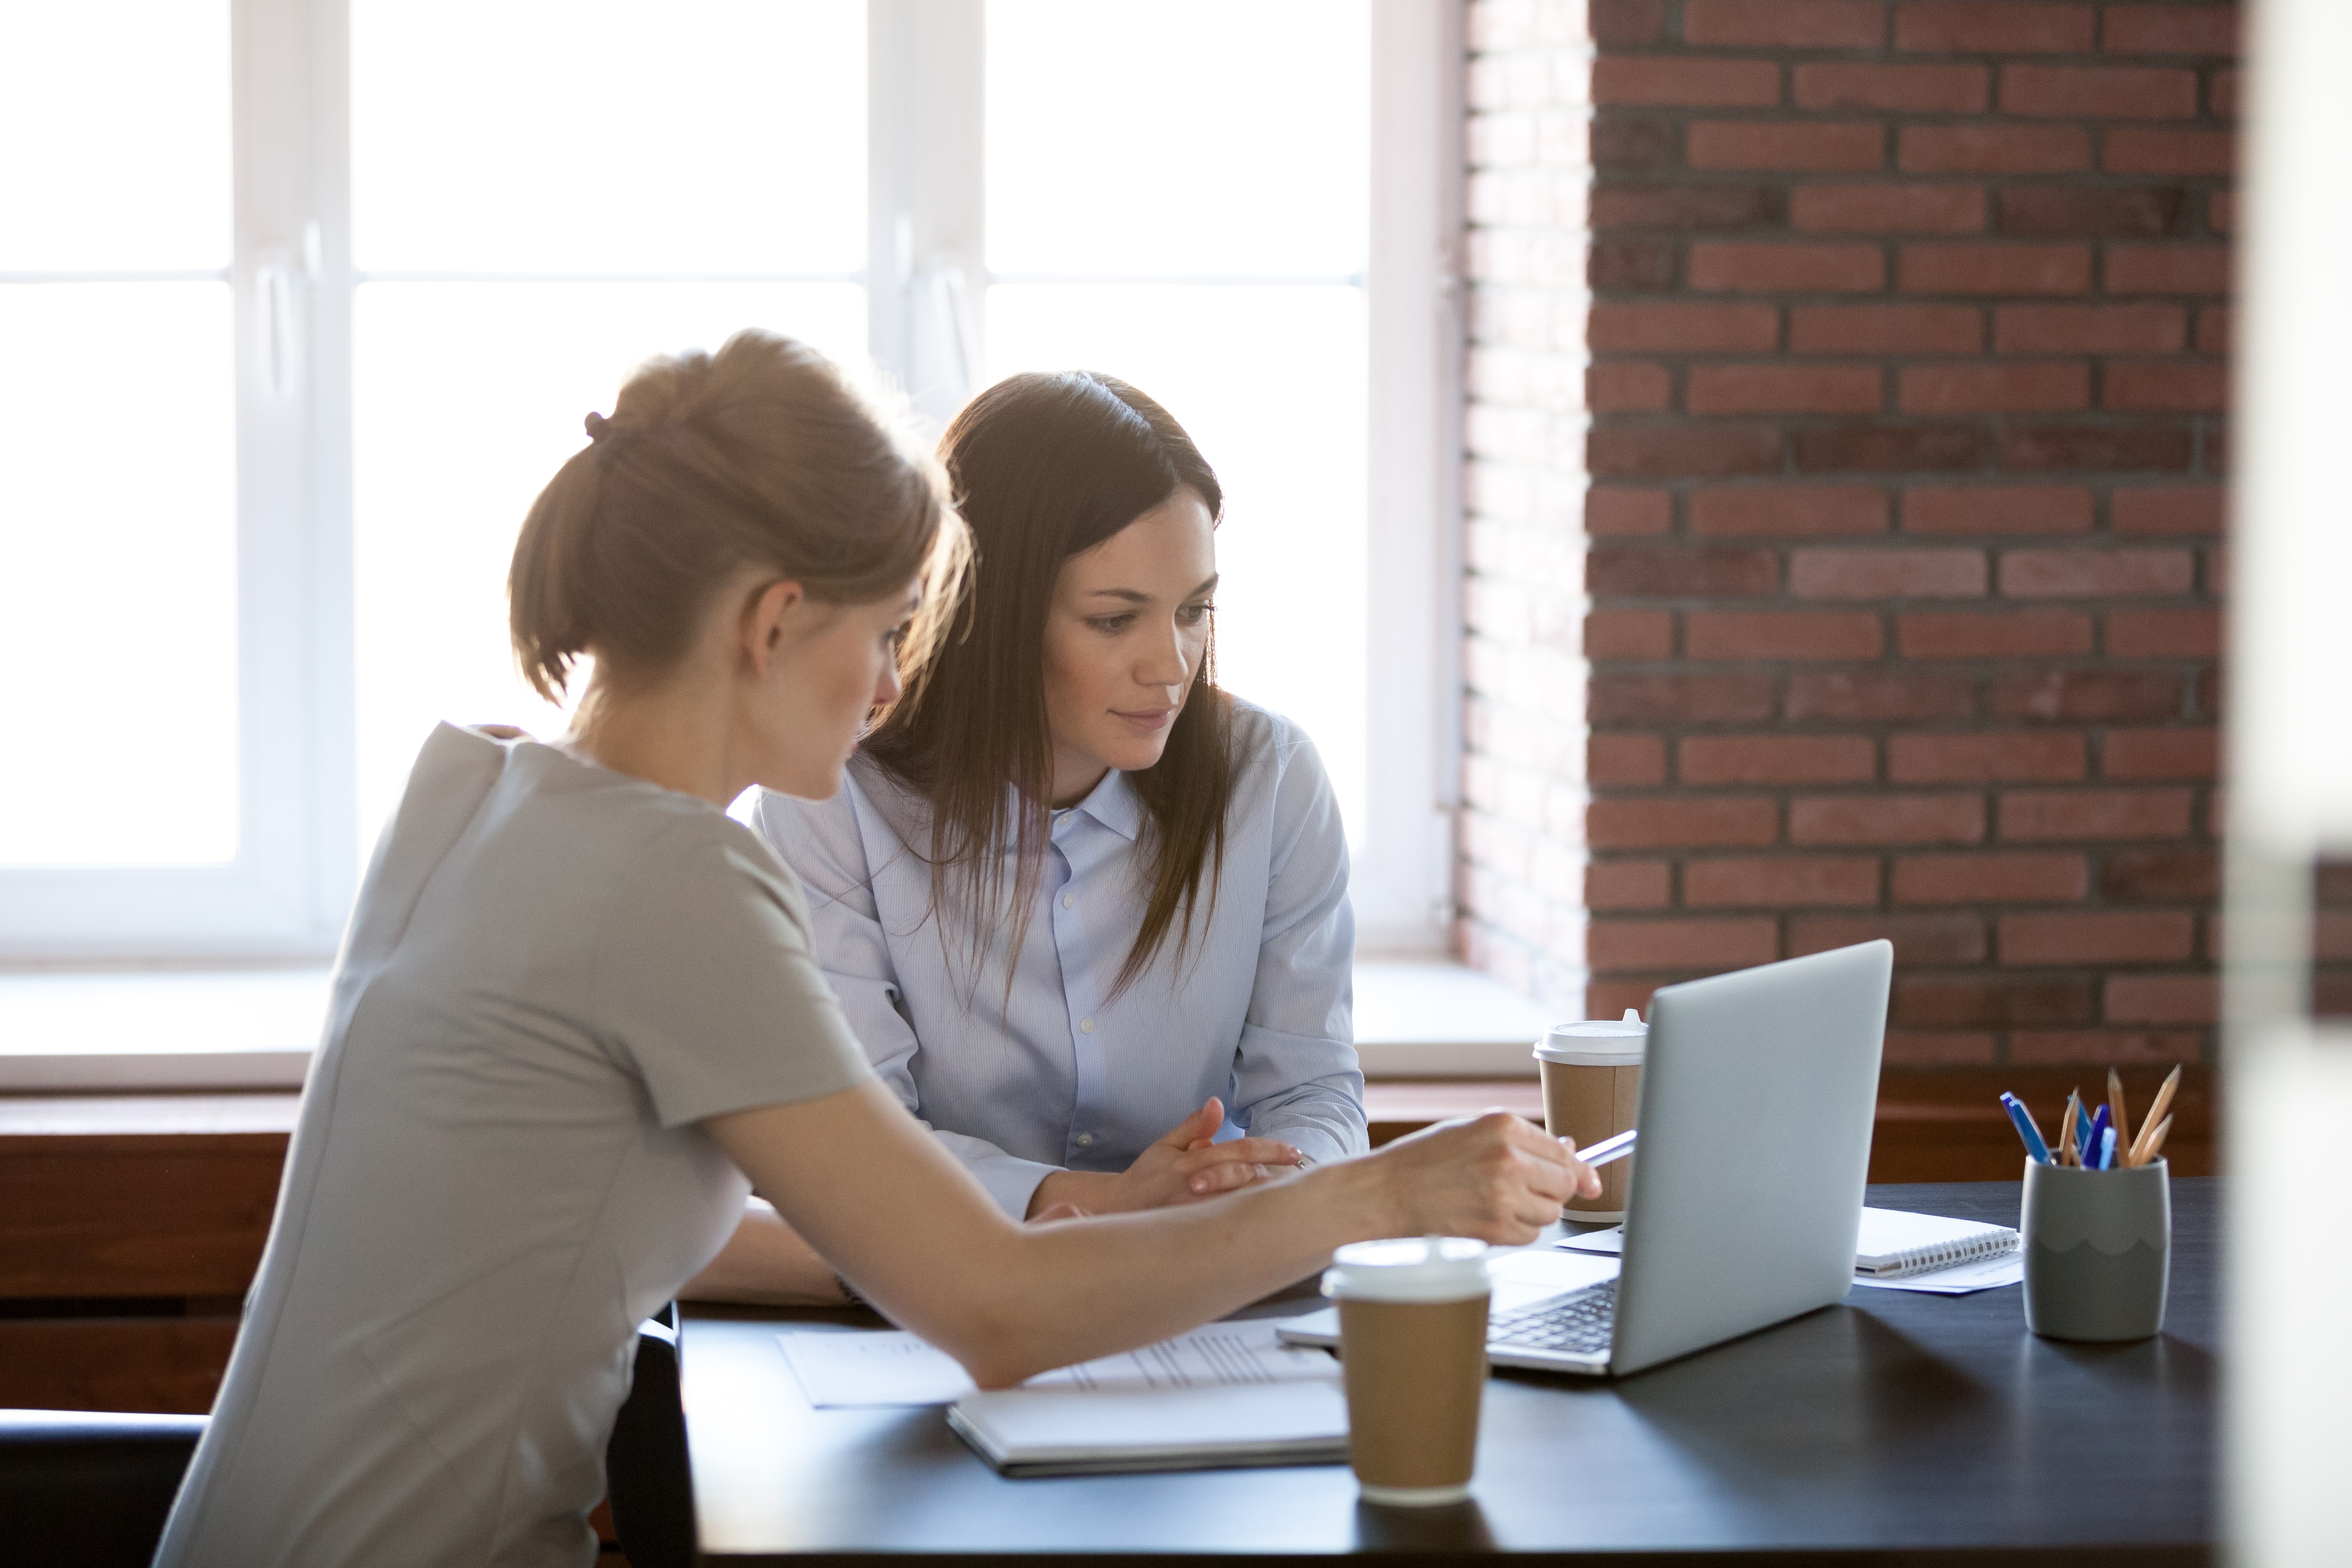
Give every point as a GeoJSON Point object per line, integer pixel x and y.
{"type": "Point", "coordinates": [553, 973]}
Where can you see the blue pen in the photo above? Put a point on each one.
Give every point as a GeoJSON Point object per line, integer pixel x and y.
{"type": "Point", "coordinates": [2091, 1139]}
{"type": "Point", "coordinates": [2026, 1130]}
{"type": "Point", "coordinates": [2107, 1149]}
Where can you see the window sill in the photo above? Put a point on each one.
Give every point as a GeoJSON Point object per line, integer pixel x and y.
{"type": "Point", "coordinates": [249, 1030]}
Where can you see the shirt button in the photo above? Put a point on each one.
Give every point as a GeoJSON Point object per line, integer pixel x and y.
{"type": "Point", "coordinates": [1085, 1025]}
{"type": "Point", "coordinates": [1069, 901]}
{"type": "Point", "coordinates": [1086, 1139]}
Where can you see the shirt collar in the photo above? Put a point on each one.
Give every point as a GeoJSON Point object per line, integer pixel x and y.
{"type": "Point", "coordinates": [1113, 803]}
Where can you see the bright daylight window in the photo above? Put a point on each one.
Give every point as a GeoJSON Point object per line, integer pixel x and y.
{"type": "Point", "coordinates": [264, 475]}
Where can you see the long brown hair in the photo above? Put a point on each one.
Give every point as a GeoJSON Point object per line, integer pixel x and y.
{"type": "Point", "coordinates": [761, 454]}
{"type": "Point", "coordinates": [1046, 467]}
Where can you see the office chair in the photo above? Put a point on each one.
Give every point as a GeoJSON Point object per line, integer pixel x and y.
{"type": "Point", "coordinates": [88, 1488]}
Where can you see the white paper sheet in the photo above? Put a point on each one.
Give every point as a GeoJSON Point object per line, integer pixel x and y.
{"type": "Point", "coordinates": [1959, 1279]}
{"type": "Point", "coordinates": [839, 1369]}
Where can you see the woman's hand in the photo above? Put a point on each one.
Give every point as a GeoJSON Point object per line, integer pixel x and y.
{"type": "Point", "coordinates": [1186, 1165]}
{"type": "Point", "coordinates": [1495, 1176]}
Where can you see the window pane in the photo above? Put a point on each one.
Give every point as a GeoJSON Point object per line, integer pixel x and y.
{"type": "Point", "coordinates": [469, 396]}
{"type": "Point", "coordinates": [1217, 136]}
{"type": "Point", "coordinates": [1270, 383]}
{"type": "Point", "coordinates": [609, 136]}
{"type": "Point", "coordinates": [115, 117]}
{"type": "Point", "coordinates": [118, 574]}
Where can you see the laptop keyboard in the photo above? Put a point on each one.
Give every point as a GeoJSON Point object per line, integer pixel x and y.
{"type": "Point", "coordinates": [1579, 1324]}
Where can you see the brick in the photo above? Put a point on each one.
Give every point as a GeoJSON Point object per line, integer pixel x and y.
{"type": "Point", "coordinates": [1634, 944]}
{"type": "Point", "coordinates": [2036, 634]}
{"type": "Point", "coordinates": [2165, 388]}
{"type": "Point", "coordinates": [1625, 760]}
{"type": "Point", "coordinates": [2077, 211]}
{"type": "Point", "coordinates": [1684, 329]}
{"type": "Point", "coordinates": [2185, 508]}
{"type": "Point", "coordinates": [2149, 150]}
{"type": "Point", "coordinates": [1787, 269]}
{"type": "Point", "coordinates": [2161, 877]}
{"type": "Point", "coordinates": [1991, 879]}
{"type": "Point", "coordinates": [2104, 937]}
{"type": "Point", "coordinates": [1886, 819]}
{"type": "Point", "coordinates": [1628, 386]}
{"type": "Point", "coordinates": [1942, 1048]}
{"type": "Point", "coordinates": [2094, 1048]}
{"type": "Point", "coordinates": [1819, 146]}
{"type": "Point", "coordinates": [2163, 999]}
{"type": "Point", "coordinates": [1993, 388]}
{"type": "Point", "coordinates": [2217, 448]}
{"type": "Point", "coordinates": [2168, 270]}
{"type": "Point", "coordinates": [2107, 92]}
{"type": "Point", "coordinates": [1924, 448]}
{"type": "Point", "coordinates": [1887, 573]}
{"type": "Point", "coordinates": [1611, 511]}
{"type": "Point", "coordinates": [1626, 885]}
{"type": "Point", "coordinates": [1997, 508]}
{"type": "Point", "coordinates": [1778, 759]}
{"type": "Point", "coordinates": [2087, 695]}
{"type": "Point", "coordinates": [1781, 881]}
{"type": "Point", "coordinates": [1887, 209]}
{"type": "Point", "coordinates": [2089, 329]}
{"type": "Point", "coordinates": [1992, 149]}
{"type": "Point", "coordinates": [2164, 634]}
{"type": "Point", "coordinates": [1919, 940]}
{"type": "Point", "coordinates": [2161, 754]}
{"type": "Point", "coordinates": [2222, 212]}
{"type": "Point", "coordinates": [2000, 758]}
{"type": "Point", "coordinates": [1785, 389]}
{"type": "Point", "coordinates": [1630, 264]}
{"type": "Point", "coordinates": [1906, 90]}
{"type": "Point", "coordinates": [1633, 144]}
{"type": "Point", "coordinates": [1790, 23]}
{"type": "Point", "coordinates": [2058, 447]}
{"type": "Point", "coordinates": [2217, 330]}
{"type": "Point", "coordinates": [1781, 634]}
{"type": "Point", "coordinates": [2083, 573]}
{"type": "Point", "coordinates": [2221, 95]}
{"type": "Point", "coordinates": [1703, 572]}
{"type": "Point", "coordinates": [2034, 815]}
{"type": "Point", "coordinates": [1682, 824]}
{"type": "Point", "coordinates": [1684, 207]}
{"type": "Point", "coordinates": [1680, 698]}
{"type": "Point", "coordinates": [1992, 27]}
{"type": "Point", "coordinates": [1629, 634]}
{"type": "Point", "coordinates": [1788, 511]}
{"type": "Point", "coordinates": [1675, 451]}
{"type": "Point", "coordinates": [1684, 82]}
{"type": "Point", "coordinates": [1886, 329]}
{"type": "Point", "coordinates": [1844, 695]}
{"type": "Point", "coordinates": [1993, 268]}
{"type": "Point", "coordinates": [2172, 30]}
{"type": "Point", "coordinates": [1998, 1001]}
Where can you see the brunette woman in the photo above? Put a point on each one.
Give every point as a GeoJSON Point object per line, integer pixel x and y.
{"type": "Point", "coordinates": [577, 1018]}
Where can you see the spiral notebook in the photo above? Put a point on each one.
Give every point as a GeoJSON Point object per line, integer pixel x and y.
{"type": "Point", "coordinates": [1896, 1243]}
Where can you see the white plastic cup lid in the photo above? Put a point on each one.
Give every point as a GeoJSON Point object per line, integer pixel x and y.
{"type": "Point", "coordinates": [1596, 1042]}
{"type": "Point", "coordinates": [1408, 1269]}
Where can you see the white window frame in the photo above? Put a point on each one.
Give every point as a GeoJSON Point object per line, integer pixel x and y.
{"type": "Point", "coordinates": [285, 896]}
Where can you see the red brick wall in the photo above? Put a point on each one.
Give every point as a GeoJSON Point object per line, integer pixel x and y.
{"type": "Point", "coordinates": [1908, 322]}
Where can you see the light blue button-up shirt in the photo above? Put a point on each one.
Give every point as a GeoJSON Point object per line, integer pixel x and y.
{"type": "Point", "coordinates": [1060, 1073]}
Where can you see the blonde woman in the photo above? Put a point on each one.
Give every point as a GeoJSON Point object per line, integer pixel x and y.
{"type": "Point", "coordinates": [577, 1019]}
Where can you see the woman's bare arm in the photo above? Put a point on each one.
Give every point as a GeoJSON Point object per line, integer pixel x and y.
{"type": "Point", "coordinates": [872, 1191]}
{"type": "Point", "coordinates": [766, 1263]}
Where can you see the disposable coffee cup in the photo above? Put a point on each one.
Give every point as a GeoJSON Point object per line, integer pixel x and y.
{"type": "Point", "coordinates": [1592, 1089]}
{"type": "Point", "coordinates": [2098, 1250]}
{"type": "Point", "coordinates": [1412, 1350]}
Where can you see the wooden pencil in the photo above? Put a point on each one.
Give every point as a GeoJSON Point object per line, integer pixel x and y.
{"type": "Point", "coordinates": [2156, 1143]}
{"type": "Point", "coordinates": [2142, 1151]}
{"type": "Point", "coordinates": [2116, 1118]}
{"type": "Point", "coordinates": [2066, 1131]}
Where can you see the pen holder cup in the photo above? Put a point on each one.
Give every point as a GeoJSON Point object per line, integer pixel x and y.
{"type": "Point", "coordinates": [2098, 1250]}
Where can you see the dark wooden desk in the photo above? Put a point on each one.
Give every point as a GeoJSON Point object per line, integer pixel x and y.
{"type": "Point", "coordinates": [1895, 1427]}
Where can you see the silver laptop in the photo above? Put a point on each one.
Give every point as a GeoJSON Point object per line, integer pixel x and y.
{"type": "Point", "coordinates": [1758, 1094]}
